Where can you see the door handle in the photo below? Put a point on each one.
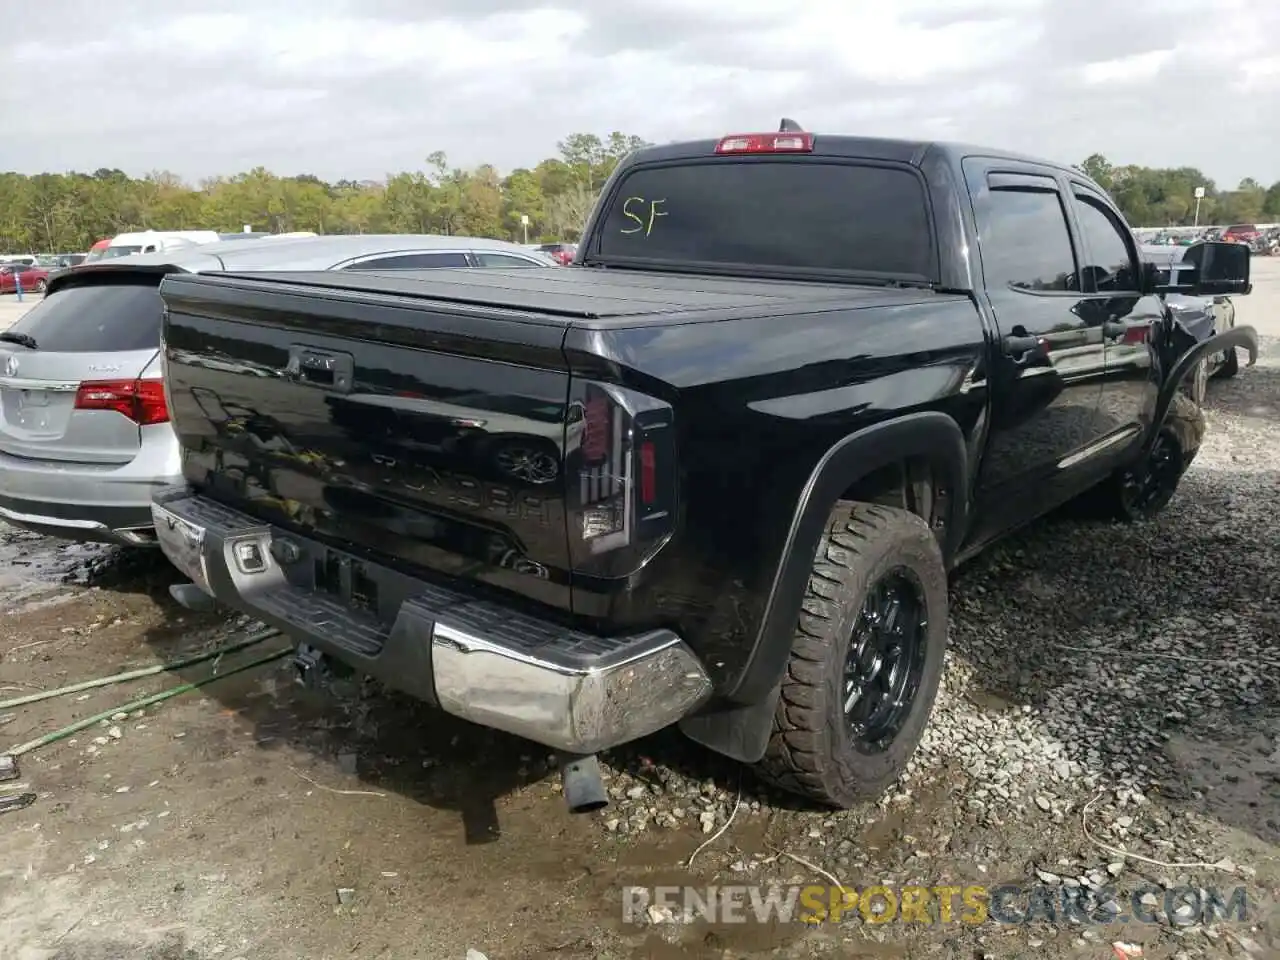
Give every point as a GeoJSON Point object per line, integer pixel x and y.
{"type": "Point", "coordinates": [321, 368]}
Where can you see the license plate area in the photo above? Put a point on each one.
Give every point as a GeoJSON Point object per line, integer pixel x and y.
{"type": "Point", "coordinates": [28, 399]}
{"type": "Point", "coordinates": [345, 579]}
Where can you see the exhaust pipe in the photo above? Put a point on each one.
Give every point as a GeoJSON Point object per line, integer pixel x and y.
{"type": "Point", "coordinates": [583, 786]}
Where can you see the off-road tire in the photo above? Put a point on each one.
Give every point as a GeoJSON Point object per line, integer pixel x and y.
{"type": "Point", "coordinates": [811, 751]}
{"type": "Point", "coordinates": [1185, 425]}
{"type": "Point", "coordinates": [1230, 365]}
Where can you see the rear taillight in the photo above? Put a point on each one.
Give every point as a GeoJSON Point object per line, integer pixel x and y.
{"type": "Point", "coordinates": [142, 401]}
{"type": "Point", "coordinates": [622, 474]}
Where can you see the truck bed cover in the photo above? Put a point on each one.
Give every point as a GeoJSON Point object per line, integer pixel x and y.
{"type": "Point", "coordinates": [569, 294]}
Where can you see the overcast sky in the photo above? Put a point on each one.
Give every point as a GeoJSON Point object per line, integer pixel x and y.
{"type": "Point", "coordinates": [356, 88]}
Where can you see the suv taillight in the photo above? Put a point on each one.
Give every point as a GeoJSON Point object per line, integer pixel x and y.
{"type": "Point", "coordinates": [142, 401]}
{"type": "Point", "coordinates": [621, 459]}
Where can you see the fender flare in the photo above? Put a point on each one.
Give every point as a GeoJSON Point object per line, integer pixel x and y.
{"type": "Point", "coordinates": [740, 724]}
{"type": "Point", "coordinates": [1246, 337]}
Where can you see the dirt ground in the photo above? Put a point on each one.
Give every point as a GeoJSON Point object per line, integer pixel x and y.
{"type": "Point", "coordinates": [254, 820]}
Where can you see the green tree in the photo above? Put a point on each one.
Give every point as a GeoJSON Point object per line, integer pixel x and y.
{"type": "Point", "coordinates": [1271, 202]}
{"type": "Point", "coordinates": [1098, 169]}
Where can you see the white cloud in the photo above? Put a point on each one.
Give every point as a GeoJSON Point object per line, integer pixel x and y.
{"type": "Point", "coordinates": [356, 88]}
{"type": "Point", "coordinates": [1135, 69]}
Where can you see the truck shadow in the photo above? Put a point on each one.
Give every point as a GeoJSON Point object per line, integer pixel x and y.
{"type": "Point", "coordinates": [358, 736]}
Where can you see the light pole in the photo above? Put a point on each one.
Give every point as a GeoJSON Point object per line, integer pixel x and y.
{"type": "Point", "coordinates": [1199, 197]}
{"type": "Point", "coordinates": [524, 225]}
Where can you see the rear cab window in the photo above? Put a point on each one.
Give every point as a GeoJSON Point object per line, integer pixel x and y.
{"type": "Point", "coordinates": [96, 318]}
{"type": "Point", "coordinates": [847, 218]}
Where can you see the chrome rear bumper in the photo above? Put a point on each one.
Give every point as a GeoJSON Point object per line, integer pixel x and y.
{"type": "Point", "coordinates": [566, 689]}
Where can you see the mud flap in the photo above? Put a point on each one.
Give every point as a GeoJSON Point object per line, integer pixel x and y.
{"type": "Point", "coordinates": [1245, 337]}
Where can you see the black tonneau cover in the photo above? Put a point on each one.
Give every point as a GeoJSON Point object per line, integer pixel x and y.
{"type": "Point", "coordinates": [574, 293]}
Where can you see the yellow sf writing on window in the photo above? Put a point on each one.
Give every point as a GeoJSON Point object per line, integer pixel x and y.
{"type": "Point", "coordinates": [650, 210]}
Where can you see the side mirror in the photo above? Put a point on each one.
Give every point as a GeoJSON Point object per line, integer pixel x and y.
{"type": "Point", "coordinates": [1209, 268]}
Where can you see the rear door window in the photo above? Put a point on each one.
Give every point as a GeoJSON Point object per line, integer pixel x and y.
{"type": "Point", "coordinates": [1024, 240]}
{"type": "Point", "coordinates": [91, 319]}
{"type": "Point", "coordinates": [853, 218]}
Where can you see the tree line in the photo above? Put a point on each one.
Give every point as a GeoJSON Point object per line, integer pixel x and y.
{"type": "Point", "coordinates": [67, 212]}
{"type": "Point", "coordinates": [1152, 197]}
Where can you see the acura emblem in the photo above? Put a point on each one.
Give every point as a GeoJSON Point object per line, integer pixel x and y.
{"type": "Point", "coordinates": [11, 366]}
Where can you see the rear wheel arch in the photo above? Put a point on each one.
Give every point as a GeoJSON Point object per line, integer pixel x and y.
{"type": "Point", "coordinates": [891, 463]}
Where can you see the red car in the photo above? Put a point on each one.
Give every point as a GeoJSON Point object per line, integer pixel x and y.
{"type": "Point", "coordinates": [98, 250]}
{"type": "Point", "coordinates": [562, 252]}
{"type": "Point", "coordinates": [33, 279]}
{"type": "Point", "coordinates": [1241, 233]}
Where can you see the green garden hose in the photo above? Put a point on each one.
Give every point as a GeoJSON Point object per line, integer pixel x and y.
{"type": "Point", "coordinates": [79, 725]}
{"type": "Point", "coordinates": [137, 674]}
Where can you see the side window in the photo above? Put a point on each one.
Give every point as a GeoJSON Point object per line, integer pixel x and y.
{"type": "Point", "coordinates": [1110, 268]}
{"type": "Point", "coordinates": [412, 261]}
{"type": "Point", "coordinates": [502, 260]}
{"type": "Point", "coordinates": [1025, 242]}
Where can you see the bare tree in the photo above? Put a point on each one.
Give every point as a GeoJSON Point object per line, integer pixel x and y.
{"type": "Point", "coordinates": [567, 212]}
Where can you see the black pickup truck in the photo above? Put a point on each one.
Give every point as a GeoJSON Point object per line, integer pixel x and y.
{"type": "Point", "coordinates": [715, 472]}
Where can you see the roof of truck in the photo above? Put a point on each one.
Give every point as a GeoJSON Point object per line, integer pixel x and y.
{"type": "Point", "coordinates": [852, 147]}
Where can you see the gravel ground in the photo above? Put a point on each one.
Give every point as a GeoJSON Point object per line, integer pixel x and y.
{"type": "Point", "coordinates": [1119, 678]}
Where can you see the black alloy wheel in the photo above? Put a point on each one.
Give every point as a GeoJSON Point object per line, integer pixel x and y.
{"type": "Point", "coordinates": [886, 660]}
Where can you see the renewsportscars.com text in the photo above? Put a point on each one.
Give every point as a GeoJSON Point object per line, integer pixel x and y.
{"type": "Point", "coordinates": [972, 905]}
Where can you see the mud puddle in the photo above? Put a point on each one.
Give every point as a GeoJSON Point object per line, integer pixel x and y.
{"type": "Point", "coordinates": [1236, 779]}
{"type": "Point", "coordinates": [38, 572]}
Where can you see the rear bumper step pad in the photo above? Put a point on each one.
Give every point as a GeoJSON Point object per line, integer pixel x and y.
{"type": "Point", "coordinates": [476, 659]}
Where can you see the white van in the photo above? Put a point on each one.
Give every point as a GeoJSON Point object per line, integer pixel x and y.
{"type": "Point", "coordinates": [154, 241]}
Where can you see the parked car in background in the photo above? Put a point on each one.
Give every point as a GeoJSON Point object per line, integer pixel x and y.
{"type": "Point", "coordinates": [259, 235]}
{"type": "Point", "coordinates": [84, 427]}
{"type": "Point", "coordinates": [1201, 318]}
{"type": "Point", "coordinates": [1266, 243]}
{"type": "Point", "coordinates": [1240, 233]}
{"type": "Point", "coordinates": [562, 252]}
{"type": "Point", "coordinates": [32, 278]}
{"type": "Point", "coordinates": [154, 241]}
{"type": "Point", "coordinates": [98, 250]}
{"type": "Point", "coordinates": [65, 260]}
{"type": "Point", "coordinates": [19, 259]}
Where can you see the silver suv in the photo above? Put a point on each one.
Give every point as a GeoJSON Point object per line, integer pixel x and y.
{"type": "Point", "coordinates": [84, 424]}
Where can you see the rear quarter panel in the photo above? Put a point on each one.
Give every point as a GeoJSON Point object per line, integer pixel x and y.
{"type": "Point", "coordinates": [759, 402]}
